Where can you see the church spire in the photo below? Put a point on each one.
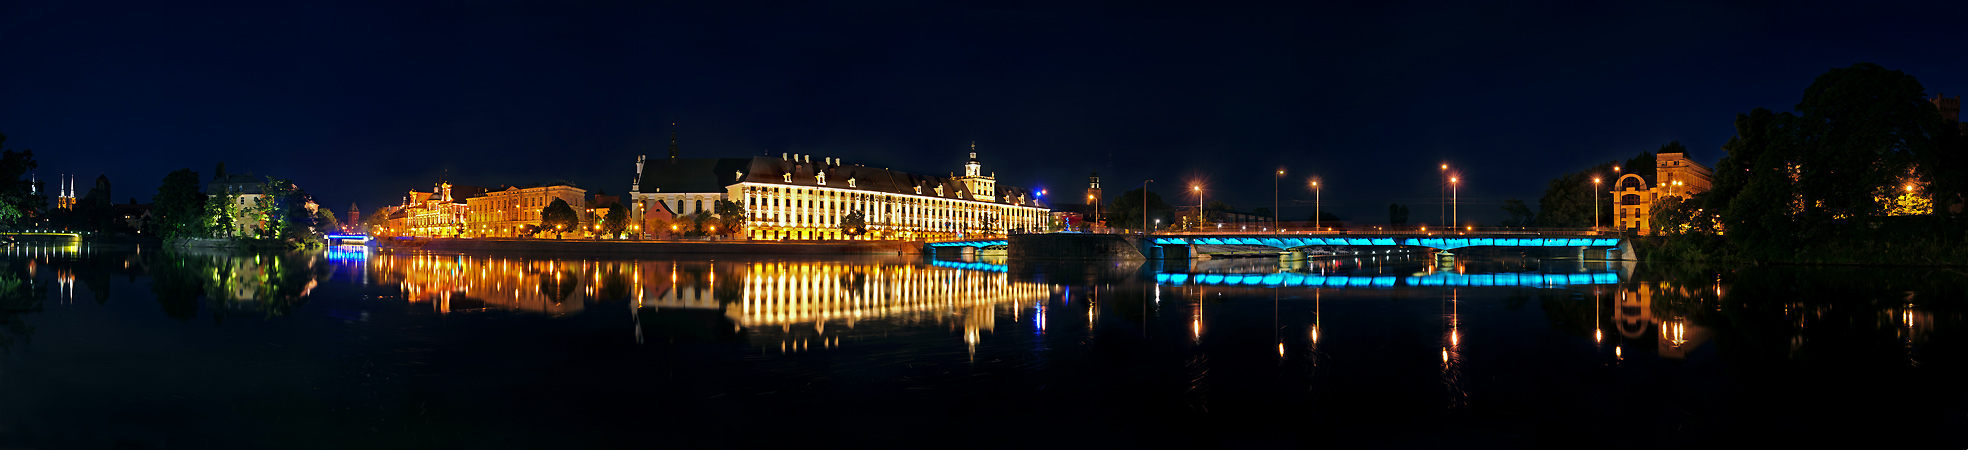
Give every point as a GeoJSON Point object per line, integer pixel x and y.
{"type": "Point", "coordinates": [673, 146]}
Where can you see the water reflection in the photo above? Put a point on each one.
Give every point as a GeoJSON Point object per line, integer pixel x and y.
{"type": "Point", "coordinates": [787, 305]}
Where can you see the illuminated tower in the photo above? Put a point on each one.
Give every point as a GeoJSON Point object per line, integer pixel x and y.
{"type": "Point", "coordinates": [1093, 189]}
{"type": "Point", "coordinates": [982, 187]}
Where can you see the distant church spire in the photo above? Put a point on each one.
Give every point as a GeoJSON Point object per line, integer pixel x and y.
{"type": "Point", "coordinates": [673, 146]}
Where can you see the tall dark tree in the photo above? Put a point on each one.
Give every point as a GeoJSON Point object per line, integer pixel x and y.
{"type": "Point", "coordinates": [730, 217]}
{"type": "Point", "coordinates": [1126, 212]}
{"type": "Point", "coordinates": [1754, 136]}
{"type": "Point", "coordinates": [1863, 130]}
{"type": "Point", "coordinates": [616, 221]}
{"type": "Point", "coordinates": [20, 199]}
{"type": "Point", "coordinates": [177, 210]}
{"type": "Point", "coordinates": [559, 218]}
{"type": "Point", "coordinates": [1397, 214]}
{"type": "Point", "coordinates": [287, 213]}
{"type": "Point", "coordinates": [1520, 214]}
{"type": "Point", "coordinates": [1569, 199]}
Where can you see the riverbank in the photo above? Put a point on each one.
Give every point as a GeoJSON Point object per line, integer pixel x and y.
{"type": "Point", "coordinates": [657, 247]}
{"type": "Point", "coordinates": [1847, 250]}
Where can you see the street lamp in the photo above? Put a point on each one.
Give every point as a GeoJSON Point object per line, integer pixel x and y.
{"type": "Point", "coordinates": [1199, 204]}
{"type": "Point", "coordinates": [1595, 203]}
{"type": "Point", "coordinates": [1317, 213]}
{"type": "Point", "coordinates": [1443, 206]}
{"type": "Point", "coordinates": [1274, 200]}
{"type": "Point", "coordinates": [1455, 199]}
{"type": "Point", "coordinates": [1144, 207]}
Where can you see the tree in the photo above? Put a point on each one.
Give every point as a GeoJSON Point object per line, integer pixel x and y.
{"type": "Point", "coordinates": [287, 213]}
{"type": "Point", "coordinates": [558, 217]}
{"type": "Point", "coordinates": [178, 208]}
{"type": "Point", "coordinates": [1520, 214]}
{"type": "Point", "coordinates": [19, 199]}
{"type": "Point", "coordinates": [1126, 212]}
{"type": "Point", "coordinates": [1569, 200]}
{"type": "Point", "coordinates": [854, 224]}
{"type": "Point", "coordinates": [730, 216]}
{"type": "Point", "coordinates": [1397, 214]}
{"type": "Point", "coordinates": [1671, 216]}
{"type": "Point", "coordinates": [616, 221]}
{"type": "Point", "coordinates": [325, 221]}
{"type": "Point", "coordinates": [376, 221]}
{"type": "Point", "coordinates": [1261, 211]}
{"type": "Point", "coordinates": [220, 216]}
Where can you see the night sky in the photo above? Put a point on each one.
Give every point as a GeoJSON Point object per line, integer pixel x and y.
{"type": "Point", "coordinates": [361, 103]}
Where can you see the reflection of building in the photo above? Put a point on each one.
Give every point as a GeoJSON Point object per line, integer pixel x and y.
{"type": "Point", "coordinates": [1676, 177]}
{"type": "Point", "coordinates": [457, 284]}
{"type": "Point", "coordinates": [760, 296]}
{"type": "Point", "coordinates": [515, 211]}
{"type": "Point", "coordinates": [793, 197]}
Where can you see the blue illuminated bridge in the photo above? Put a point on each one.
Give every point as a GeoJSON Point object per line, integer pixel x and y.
{"type": "Point", "coordinates": [1288, 242]}
{"type": "Point", "coordinates": [1437, 242]}
{"type": "Point", "coordinates": [1535, 280]}
{"type": "Point", "coordinates": [1355, 281]}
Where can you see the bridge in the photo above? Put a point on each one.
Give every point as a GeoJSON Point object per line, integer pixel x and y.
{"type": "Point", "coordinates": [1356, 281]}
{"type": "Point", "coordinates": [1539, 280]}
{"type": "Point", "coordinates": [1181, 246]}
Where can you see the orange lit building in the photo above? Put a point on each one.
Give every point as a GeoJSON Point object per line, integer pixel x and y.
{"type": "Point", "coordinates": [1677, 177]}
{"type": "Point", "coordinates": [515, 211]}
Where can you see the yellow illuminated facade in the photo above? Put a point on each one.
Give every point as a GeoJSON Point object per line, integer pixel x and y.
{"type": "Point", "coordinates": [514, 211]}
{"type": "Point", "coordinates": [1678, 177]}
{"type": "Point", "coordinates": [793, 197]}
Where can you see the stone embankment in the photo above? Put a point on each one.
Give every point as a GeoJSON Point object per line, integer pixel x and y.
{"type": "Point", "coordinates": [657, 247]}
{"type": "Point", "coordinates": [1074, 246]}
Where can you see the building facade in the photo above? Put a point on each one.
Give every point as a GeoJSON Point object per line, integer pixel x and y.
{"type": "Point", "coordinates": [515, 211]}
{"type": "Point", "coordinates": [438, 213]}
{"type": "Point", "coordinates": [793, 197]}
{"type": "Point", "coordinates": [1677, 177]}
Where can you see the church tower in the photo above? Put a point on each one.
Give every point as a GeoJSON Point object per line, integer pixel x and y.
{"type": "Point", "coordinates": [982, 187]}
{"type": "Point", "coordinates": [1093, 188]}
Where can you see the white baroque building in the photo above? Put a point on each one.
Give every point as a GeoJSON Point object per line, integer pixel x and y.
{"type": "Point", "coordinates": [793, 197]}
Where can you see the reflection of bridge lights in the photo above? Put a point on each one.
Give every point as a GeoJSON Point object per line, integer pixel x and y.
{"type": "Point", "coordinates": [1445, 355]}
{"type": "Point", "coordinates": [1281, 349]}
{"type": "Point", "coordinates": [1617, 354]}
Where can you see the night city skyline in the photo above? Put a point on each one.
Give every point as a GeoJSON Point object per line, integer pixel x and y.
{"type": "Point", "coordinates": [1370, 99]}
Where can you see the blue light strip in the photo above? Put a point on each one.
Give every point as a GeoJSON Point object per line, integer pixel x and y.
{"type": "Point", "coordinates": [1536, 280]}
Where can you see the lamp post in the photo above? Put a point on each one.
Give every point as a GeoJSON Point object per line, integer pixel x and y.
{"type": "Point", "coordinates": [1595, 203]}
{"type": "Point", "coordinates": [1443, 206]}
{"type": "Point", "coordinates": [1274, 200]}
{"type": "Point", "coordinates": [1455, 200]}
{"type": "Point", "coordinates": [1096, 213]}
{"type": "Point", "coordinates": [1144, 207]}
{"type": "Point", "coordinates": [1317, 213]}
{"type": "Point", "coordinates": [1199, 205]}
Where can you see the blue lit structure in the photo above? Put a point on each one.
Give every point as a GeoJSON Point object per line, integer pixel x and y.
{"type": "Point", "coordinates": [347, 254]}
{"type": "Point", "coordinates": [1444, 243]}
{"type": "Point", "coordinates": [1283, 279]}
{"type": "Point", "coordinates": [970, 266]}
{"type": "Point", "coordinates": [978, 244]}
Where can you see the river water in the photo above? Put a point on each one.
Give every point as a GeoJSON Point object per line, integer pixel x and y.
{"type": "Point", "coordinates": [142, 348]}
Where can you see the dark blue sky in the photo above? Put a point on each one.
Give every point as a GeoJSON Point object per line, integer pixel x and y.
{"type": "Point", "coordinates": [360, 103]}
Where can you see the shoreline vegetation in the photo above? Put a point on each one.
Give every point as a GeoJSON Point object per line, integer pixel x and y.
{"type": "Point", "coordinates": [1867, 170]}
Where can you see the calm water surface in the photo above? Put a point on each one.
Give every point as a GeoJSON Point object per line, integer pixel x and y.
{"type": "Point", "coordinates": [122, 348]}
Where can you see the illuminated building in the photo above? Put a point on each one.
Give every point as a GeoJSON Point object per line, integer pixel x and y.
{"type": "Point", "coordinates": [515, 211]}
{"type": "Point", "coordinates": [793, 197]}
{"type": "Point", "coordinates": [1677, 177]}
{"type": "Point", "coordinates": [66, 192]}
{"type": "Point", "coordinates": [246, 191]}
{"type": "Point", "coordinates": [438, 213]}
